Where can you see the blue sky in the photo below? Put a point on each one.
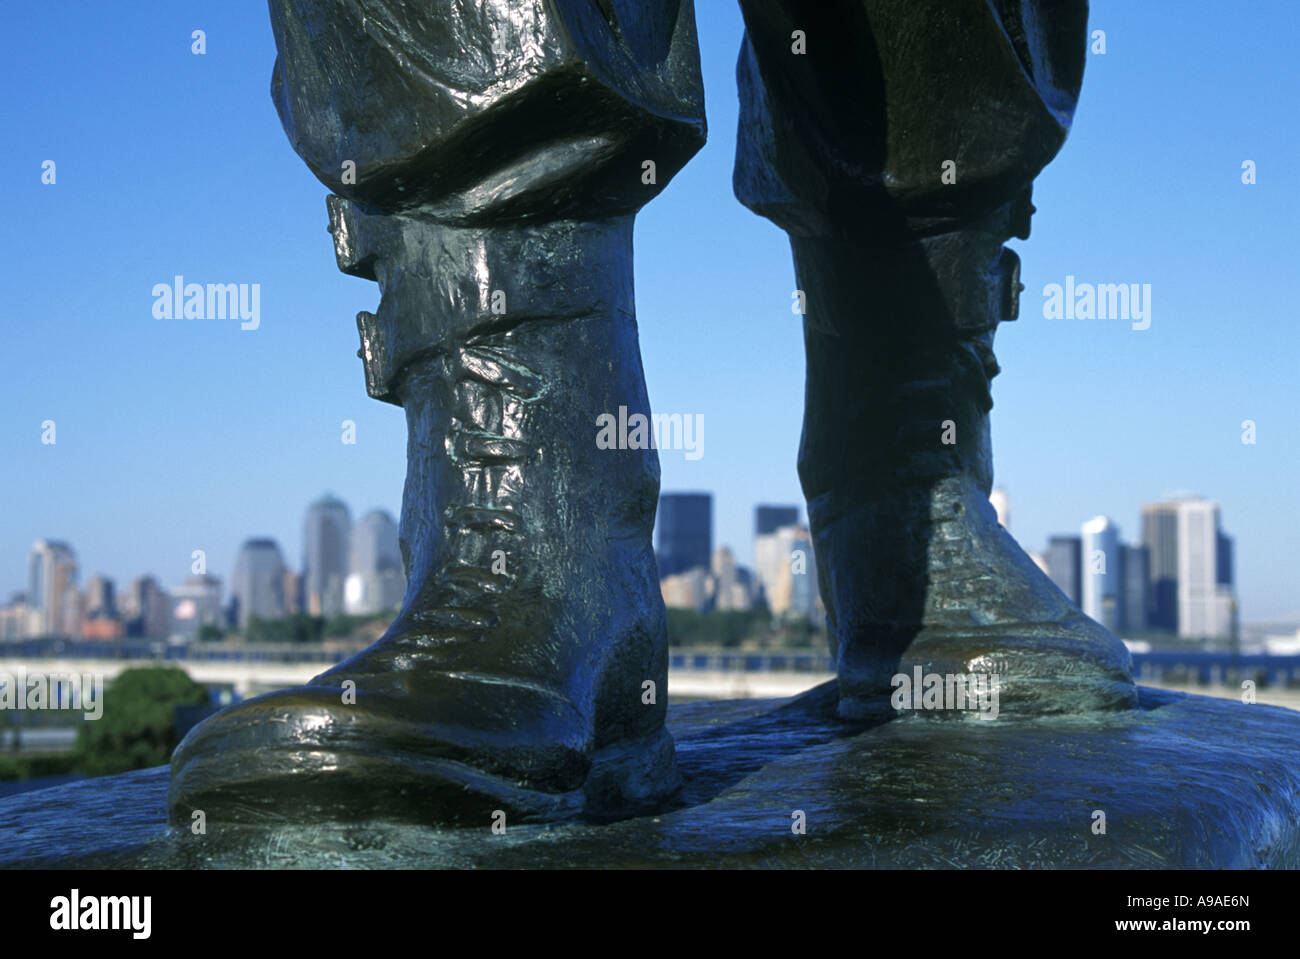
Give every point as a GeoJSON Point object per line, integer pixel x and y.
{"type": "Point", "coordinates": [174, 436]}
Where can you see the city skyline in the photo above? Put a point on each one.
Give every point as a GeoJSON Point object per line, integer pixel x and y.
{"type": "Point", "coordinates": [1124, 598]}
{"type": "Point", "coordinates": [166, 429]}
{"type": "Point", "coordinates": [340, 572]}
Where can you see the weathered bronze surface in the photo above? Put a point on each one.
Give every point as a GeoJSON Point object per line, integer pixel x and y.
{"type": "Point", "coordinates": [905, 794]}
{"type": "Point", "coordinates": [898, 152]}
{"type": "Point", "coordinates": [500, 155]}
{"type": "Point", "coordinates": [486, 161]}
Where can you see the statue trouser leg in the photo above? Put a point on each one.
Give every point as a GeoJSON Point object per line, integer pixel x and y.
{"type": "Point", "coordinates": [897, 149]}
{"type": "Point", "coordinates": [527, 669]}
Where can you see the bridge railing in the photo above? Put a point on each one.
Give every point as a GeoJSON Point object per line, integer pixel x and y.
{"type": "Point", "coordinates": [1202, 668]}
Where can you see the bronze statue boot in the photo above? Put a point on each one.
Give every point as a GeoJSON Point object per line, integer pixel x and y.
{"type": "Point", "coordinates": [896, 465]}
{"type": "Point", "coordinates": [527, 670]}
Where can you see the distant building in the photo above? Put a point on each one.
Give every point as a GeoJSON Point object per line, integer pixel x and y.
{"type": "Point", "coordinates": [74, 611]}
{"type": "Point", "coordinates": [732, 586]}
{"type": "Point", "coordinates": [195, 604]}
{"type": "Point", "coordinates": [722, 587]}
{"type": "Point", "coordinates": [293, 593]}
{"type": "Point", "coordinates": [787, 572]}
{"type": "Point", "coordinates": [15, 618]}
{"type": "Point", "coordinates": [1065, 566]}
{"type": "Point", "coordinates": [101, 619]}
{"type": "Point", "coordinates": [1160, 537]}
{"type": "Point", "coordinates": [102, 628]}
{"type": "Point", "coordinates": [686, 590]}
{"type": "Point", "coordinates": [769, 519]}
{"type": "Point", "coordinates": [685, 532]}
{"type": "Point", "coordinates": [1002, 506]}
{"type": "Point", "coordinates": [327, 533]}
{"type": "Point", "coordinates": [101, 599]}
{"type": "Point", "coordinates": [1102, 581]}
{"type": "Point", "coordinates": [51, 576]}
{"type": "Point", "coordinates": [1206, 607]}
{"type": "Point", "coordinates": [1135, 576]}
{"type": "Point", "coordinates": [1223, 566]}
{"type": "Point", "coordinates": [148, 609]}
{"type": "Point", "coordinates": [805, 596]}
{"type": "Point", "coordinates": [257, 586]}
{"type": "Point", "coordinates": [376, 582]}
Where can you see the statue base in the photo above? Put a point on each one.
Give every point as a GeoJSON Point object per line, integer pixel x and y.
{"type": "Point", "coordinates": [1183, 781]}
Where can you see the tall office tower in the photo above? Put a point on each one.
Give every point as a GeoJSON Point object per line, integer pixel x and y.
{"type": "Point", "coordinates": [101, 601]}
{"type": "Point", "coordinates": [1065, 566]}
{"type": "Point", "coordinates": [769, 519]}
{"type": "Point", "coordinates": [51, 574]}
{"type": "Point", "coordinates": [148, 609]}
{"type": "Point", "coordinates": [771, 552]}
{"type": "Point", "coordinates": [293, 600]}
{"type": "Point", "coordinates": [74, 612]}
{"type": "Point", "coordinates": [801, 571]}
{"type": "Point", "coordinates": [1223, 566]}
{"type": "Point", "coordinates": [196, 604]}
{"type": "Point", "coordinates": [1002, 506]}
{"type": "Point", "coordinates": [1135, 576]}
{"type": "Point", "coordinates": [375, 580]}
{"type": "Point", "coordinates": [327, 534]}
{"type": "Point", "coordinates": [1225, 598]}
{"type": "Point", "coordinates": [257, 586]}
{"type": "Point", "coordinates": [1102, 582]}
{"type": "Point", "coordinates": [685, 532]}
{"type": "Point", "coordinates": [730, 587]}
{"type": "Point", "coordinates": [100, 619]}
{"type": "Point", "coordinates": [787, 570]}
{"type": "Point", "coordinates": [1206, 607]}
{"type": "Point", "coordinates": [1160, 537]}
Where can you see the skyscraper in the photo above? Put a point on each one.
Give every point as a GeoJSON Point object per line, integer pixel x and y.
{"type": "Point", "coordinates": [51, 575]}
{"type": "Point", "coordinates": [1135, 579]}
{"type": "Point", "coordinates": [257, 586]}
{"type": "Point", "coordinates": [148, 609]}
{"type": "Point", "coordinates": [1160, 537]}
{"type": "Point", "coordinates": [375, 580]}
{"type": "Point", "coordinates": [685, 532]}
{"type": "Point", "coordinates": [1065, 566]}
{"type": "Point", "coordinates": [100, 597]}
{"type": "Point", "coordinates": [327, 535]}
{"type": "Point", "coordinates": [1191, 575]}
{"type": "Point", "coordinates": [732, 585]}
{"type": "Point", "coordinates": [1223, 566]}
{"type": "Point", "coordinates": [1102, 581]}
{"type": "Point", "coordinates": [769, 519]}
{"type": "Point", "coordinates": [194, 605]}
{"type": "Point", "coordinates": [100, 619]}
{"type": "Point", "coordinates": [1206, 607]}
{"type": "Point", "coordinates": [787, 571]}
{"type": "Point", "coordinates": [805, 597]}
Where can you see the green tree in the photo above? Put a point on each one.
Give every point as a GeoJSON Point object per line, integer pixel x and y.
{"type": "Point", "coordinates": [297, 628]}
{"type": "Point", "coordinates": [138, 727]}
